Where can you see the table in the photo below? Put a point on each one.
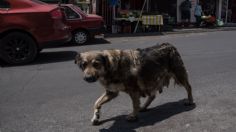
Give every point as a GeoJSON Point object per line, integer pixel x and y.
{"type": "Point", "coordinates": [125, 24]}
{"type": "Point", "coordinates": [154, 20]}
{"type": "Point", "coordinates": [147, 20]}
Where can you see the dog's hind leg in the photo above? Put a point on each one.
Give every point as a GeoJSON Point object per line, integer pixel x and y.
{"type": "Point", "coordinates": [107, 96]}
{"type": "Point", "coordinates": [148, 102]}
{"type": "Point", "coordinates": [181, 78]}
{"type": "Point", "coordinates": [135, 96]}
{"type": "Point", "coordinates": [188, 88]}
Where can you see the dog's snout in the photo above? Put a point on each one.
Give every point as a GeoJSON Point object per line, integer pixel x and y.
{"type": "Point", "coordinates": [90, 78]}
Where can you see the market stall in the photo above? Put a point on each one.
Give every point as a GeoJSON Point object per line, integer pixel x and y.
{"type": "Point", "coordinates": [128, 19]}
{"type": "Point", "coordinates": [125, 21]}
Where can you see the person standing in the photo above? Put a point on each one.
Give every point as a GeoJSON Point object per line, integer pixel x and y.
{"type": "Point", "coordinates": [185, 9]}
{"type": "Point", "coordinates": [198, 14]}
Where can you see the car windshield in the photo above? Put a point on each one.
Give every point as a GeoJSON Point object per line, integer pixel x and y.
{"type": "Point", "coordinates": [78, 9]}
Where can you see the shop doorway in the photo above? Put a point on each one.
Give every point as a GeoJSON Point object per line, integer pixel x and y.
{"type": "Point", "coordinates": [231, 12]}
{"type": "Point", "coordinates": [228, 11]}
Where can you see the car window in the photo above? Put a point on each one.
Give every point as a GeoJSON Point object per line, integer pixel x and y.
{"type": "Point", "coordinates": [70, 14]}
{"type": "Point", "coordinates": [4, 4]}
{"type": "Point", "coordinates": [79, 10]}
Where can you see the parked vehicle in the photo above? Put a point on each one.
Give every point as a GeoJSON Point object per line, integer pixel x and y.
{"type": "Point", "coordinates": [83, 26]}
{"type": "Point", "coordinates": [27, 26]}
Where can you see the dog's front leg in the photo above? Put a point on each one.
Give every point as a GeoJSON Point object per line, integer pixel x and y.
{"type": "Point", "coordinates": [107, 96]}
{"type": "Point", "coordinates": [147, 103]}
{"type": "Point", "coordinates": [136, 106]}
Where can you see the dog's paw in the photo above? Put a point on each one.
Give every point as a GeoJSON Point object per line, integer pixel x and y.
{"type": "Point", "coordinates": [131, 118]}
{"type": "Point", "coordinates": [95, 122]}
{"type": "Point", "coordinates": [143, 109]}
{"type": "Point", "coordinates": [189, 103]}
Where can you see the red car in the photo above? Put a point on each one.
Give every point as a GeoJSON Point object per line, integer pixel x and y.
{"type": "Point", "coordinates": [83, 26]}
{"type": "Point", "coordinates": [27, 26]}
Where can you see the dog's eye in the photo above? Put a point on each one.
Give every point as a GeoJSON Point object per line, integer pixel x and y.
{"type": "Point", "coordinates": [96, 65]}
{"type": "Point", "coordinates": [83, 65]}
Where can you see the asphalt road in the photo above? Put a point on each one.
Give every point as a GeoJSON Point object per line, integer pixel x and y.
{"type": "Point", "coordinates": [50, 95]}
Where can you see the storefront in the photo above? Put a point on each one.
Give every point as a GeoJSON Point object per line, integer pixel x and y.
{"type": "Point", "coordinates": [224, 10]}
{"type": "Point", "coordinates": [231, 12]}
{"type": "Point", "coordinates": [227, 11]}
{"type": "Point", "coordinates": [192, 18]}
{"type": "Point", "coordinates": [118, 13]}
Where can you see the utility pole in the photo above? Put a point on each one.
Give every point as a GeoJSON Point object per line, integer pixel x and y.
{"type": "Point", "coordinates": [140, 16]}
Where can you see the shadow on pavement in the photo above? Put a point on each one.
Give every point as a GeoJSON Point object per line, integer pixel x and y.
{"type": "Point", "coordinates": [149, 118]}
{"type": "Point", "coordinates": [134, 34]}
{"type": "Point", "coordinates": [98, 41]}
{"type": "Point", "coordinates": [91, 42]}
{"type": "Point", "coordinates": [49, 57]}
{"type": "Point", "coordinates": [57, 56]}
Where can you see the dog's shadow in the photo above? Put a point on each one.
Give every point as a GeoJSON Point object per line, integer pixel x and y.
{"type": "Point", "coordinates": [148, 118]}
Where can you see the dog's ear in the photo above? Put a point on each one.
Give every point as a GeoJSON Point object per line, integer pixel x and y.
{"type": "Point", "coordinates": [77, 58]}
{"type": "Point", "coordinates": [112, 59]}
{"type": "Point", "coordinates": [105, 61]}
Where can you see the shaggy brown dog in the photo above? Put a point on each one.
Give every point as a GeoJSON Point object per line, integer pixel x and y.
{"type": "Point", "coordinates": [139, 73]}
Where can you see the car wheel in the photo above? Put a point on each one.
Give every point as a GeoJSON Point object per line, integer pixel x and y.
{"type": "Point", "coordinates": [18, 48]}
{"type": "Point", "coordinates": [80, 37]}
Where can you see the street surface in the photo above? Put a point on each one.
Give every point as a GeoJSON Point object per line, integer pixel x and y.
{"type": "Point", "coordinates": [50, 95]}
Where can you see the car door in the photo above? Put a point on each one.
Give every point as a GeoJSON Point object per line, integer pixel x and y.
{"type": "Point", "coordinates": [4, 7]}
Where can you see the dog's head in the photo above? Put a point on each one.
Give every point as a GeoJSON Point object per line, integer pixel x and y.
{"type": "Point", "coordinates": [93, 64]}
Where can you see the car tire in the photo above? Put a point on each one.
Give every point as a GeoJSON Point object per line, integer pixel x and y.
{"type": "Point", "coordinates": [18, 48]}
{"type": "Point", "coordinates": [80, 37]}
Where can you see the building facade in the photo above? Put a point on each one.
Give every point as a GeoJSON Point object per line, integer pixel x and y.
{"type": "Point", "coordinates": [224, 10]}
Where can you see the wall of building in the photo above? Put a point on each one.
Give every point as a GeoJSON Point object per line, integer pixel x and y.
{"type": "Point", "coordinates": [100, 7]}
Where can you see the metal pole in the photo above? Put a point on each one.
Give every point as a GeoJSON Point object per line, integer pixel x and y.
{"type": "Point", "coordinates": [220, 9]}
{"type": "Point", "coordinates": [140, 16]}
{"type": "Point", "coordinates": [114, 12]}
{"type": "Point", "coordinates": [226, 12]}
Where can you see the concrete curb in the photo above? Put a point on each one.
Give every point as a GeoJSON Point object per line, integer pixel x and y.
{"type": "Point", "coordinates": [175, 31]}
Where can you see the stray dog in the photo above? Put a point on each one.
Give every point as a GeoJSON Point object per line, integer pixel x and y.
{"type": "Point", "coordinates": [139, 73]}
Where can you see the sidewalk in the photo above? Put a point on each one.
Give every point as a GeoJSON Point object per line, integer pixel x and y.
{"type": "Point", "coordinates": [198, 30]}
{"type": "Point", "coordinates": [175, 31]}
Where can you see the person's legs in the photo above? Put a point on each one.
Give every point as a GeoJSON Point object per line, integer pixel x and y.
{"type": "Point", "coordinates": [188, 16]}
{"type": "Point", "coordinates": [198, 21]}
{"type": "Point", "coordinates": [183, 18]}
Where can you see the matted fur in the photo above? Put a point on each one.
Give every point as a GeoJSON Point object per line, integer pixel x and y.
{"type": "Point", "coordinates": [139, 73]}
